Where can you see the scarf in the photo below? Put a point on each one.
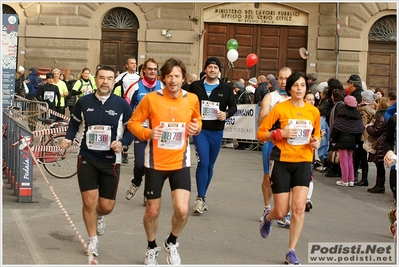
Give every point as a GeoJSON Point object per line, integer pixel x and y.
{"type": "Point", "coordinates": [149, 83]}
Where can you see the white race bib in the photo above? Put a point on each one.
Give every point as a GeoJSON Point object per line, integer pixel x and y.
{"type": "Point", "coordinates": [173, 135]}
{"type": "Point", "coordinates": [49, 95]}
{"type": "Point", "coordinates": [305, 129]}
{"type": "Point", "coordinates": [98, 137]}
{"type": "Point", "coordinates": [209, 110]}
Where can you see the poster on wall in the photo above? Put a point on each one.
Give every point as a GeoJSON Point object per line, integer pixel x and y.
{"type": "Point", "coordinates": [9, 41]}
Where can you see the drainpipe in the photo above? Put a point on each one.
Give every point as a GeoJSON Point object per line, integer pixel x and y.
{"type": "Point", "coordinates": [337, 33]}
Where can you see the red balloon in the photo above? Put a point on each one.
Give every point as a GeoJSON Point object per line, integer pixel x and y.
{"type": "Point", "coordinates": [252, 59]}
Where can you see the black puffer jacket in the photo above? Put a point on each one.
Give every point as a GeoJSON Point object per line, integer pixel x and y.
{"type": "Point", "coordinates": [346, 133]}
{"type": "Point", "coordinates": [378, 130]}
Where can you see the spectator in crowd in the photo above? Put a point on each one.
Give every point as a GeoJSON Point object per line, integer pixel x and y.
{"type": "Point", "coordinates": [392, 97]}
{"type": "Point", "coordinates": [337, 97]}
{"type": "Point", "coordinates": [62, 77]}
{"type": "Point", "coordinates": [355, 87]}
{"type": "Point", "coordinates": [272, 85]}
{"type": "Point", "coordinates": [20, 82]}
{"type": "Point", "coordinates": [390, 150]}
{"type": "Point", "coordinates": [319, 89]}
{"type": "Point", "coordinates": [379, 92]}
{"type": "Point", "coordinates": [34, 82]}
{"type": "Point", "coordinates": [217, 104]}
{"type": "Point", "coordinates": [269, 77]}
{"type": "Point", "coordinates": [367, 110]}
{"type": "Point", "coordinates": [261, 90]}
{"type": "Point", "coordinates": [252, 85]}
{"type": "Point", "coordinates": [377, 129]}
{"type": "Point", "coordinates": [50, 94]}
{"type": "Point", "coordinates": [62, 86]}
{"type": "Point", "coordinates": [118, 72]}
{"type": "Point", "coordinates": [390, 160]}
{"type": "Point", "coordinates": [70, 99]}
{"type": "Point", "coordinates": [312, 81]}
{"type": "Point", "coordinates": [345, 136]}
{"type": "Point", "coordinates": [242, 97]}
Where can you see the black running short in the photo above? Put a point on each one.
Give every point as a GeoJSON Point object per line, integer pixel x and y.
{"type": "Point", "coordinates": [286, 175]}
{"type": "Point", "coordinates": [154, 180]}
{"type": "Point", "coordinates": [94, 174]}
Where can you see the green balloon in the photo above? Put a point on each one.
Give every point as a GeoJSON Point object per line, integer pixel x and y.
{"type": "Point", "coordinates": [232, 44]}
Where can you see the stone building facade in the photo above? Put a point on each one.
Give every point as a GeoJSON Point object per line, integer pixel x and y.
{"type": "Point", "coordinates": [69, 35]}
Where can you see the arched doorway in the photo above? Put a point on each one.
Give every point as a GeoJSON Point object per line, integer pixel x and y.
{"type": "Point", "coordinates": [381, 67]}
{"type": "Point", "coordinates": [119, 37]}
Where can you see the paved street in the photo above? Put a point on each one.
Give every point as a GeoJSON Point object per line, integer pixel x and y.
{"type": "Point", "coordinates": [38, 233]}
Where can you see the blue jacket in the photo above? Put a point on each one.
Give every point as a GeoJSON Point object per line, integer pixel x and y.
{"type": "Point", "coordinates": [32, 85]}
{"type": "Point", "coordinates": [115, 112]}
{"type": "Point", "coordinates": [390, 111]}
{"type": "Point", "coordinates": [141, 92]}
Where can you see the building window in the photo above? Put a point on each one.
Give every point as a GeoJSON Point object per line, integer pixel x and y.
{"type": "Point", "coordinates": [384, 29]}
{"type": "Point", "coordinates": [120, 18]}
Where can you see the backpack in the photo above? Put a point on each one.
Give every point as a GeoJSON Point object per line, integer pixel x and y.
{"type": "Point", "coordinates": [119, 84]}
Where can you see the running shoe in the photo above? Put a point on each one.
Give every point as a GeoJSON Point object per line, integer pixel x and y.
{"type": "Point", "coordinates": [291, 258]}
{"type": "Point", "coordinates": [309, 205]}
{"type": "Point", "coordinates": [285, 222]}
{"type": "Point", "coordinates": [173, 257]}
{"type": "Point", "coordinates": [92, 248]}
{"type": "Point", "coordinates": [151, 256]}
{"type": "Point", "coordinates": [265, 226]}
{"type": "Point", "coordinates": [264, 213]}
{"type": "Point", "coordinates": [131, 192]}
{"type": "Point", "coordinates": [100, 225]}
{"type": "Point", "coordinates": [199, 206]}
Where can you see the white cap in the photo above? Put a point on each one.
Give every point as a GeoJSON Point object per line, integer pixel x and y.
{"type": "Point", "coordinates": [20, 68]}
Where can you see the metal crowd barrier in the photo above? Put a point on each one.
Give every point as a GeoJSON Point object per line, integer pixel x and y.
{"type": "Point", "coordinates": [19, 121]}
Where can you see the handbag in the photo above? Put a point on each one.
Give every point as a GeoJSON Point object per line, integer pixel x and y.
{"type": "Point", "coordinates": [371, 144]}
{"type": "Point", "coordinates": [26, 88]}
{"type": "Point", "coordinates": [333, 157]}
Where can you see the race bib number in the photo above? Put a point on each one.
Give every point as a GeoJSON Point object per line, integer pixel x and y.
{"type": "Point", "coordinates": [209, 110]}
{"type": "Point", "coordinates": [305, 129]}
{"type": "Point", "coordinates": [48, 95]}
{"type": "Point", "coordinates": [98, 137]}
{"type": "Point", "coordinates": [89, 90]}
{"type": "Point", "coordinates": [173, 135]}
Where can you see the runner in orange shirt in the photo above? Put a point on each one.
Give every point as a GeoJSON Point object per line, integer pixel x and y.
{"type": "Point", "coordinates": [173, 114]}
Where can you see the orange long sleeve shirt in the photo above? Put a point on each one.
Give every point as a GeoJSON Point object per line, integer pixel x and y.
{"type": "Point", "coordinates": [172, 151]}
{"type": "Point", "coordinates": [285, 113]}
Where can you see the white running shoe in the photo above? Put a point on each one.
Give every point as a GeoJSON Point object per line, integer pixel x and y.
{"type": "Point", "coordinates": [100, 225]}
{"type": "Point", "coordinates": [92, 248]}
{"type": "Point", "coordinates": [173, 257]}
{"type": "Point", "coordinates": [199, 206]}
{"type": "Point", "coordinates": [151, 256]}
{"type": "Point", "coordinates": [131, 192]}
